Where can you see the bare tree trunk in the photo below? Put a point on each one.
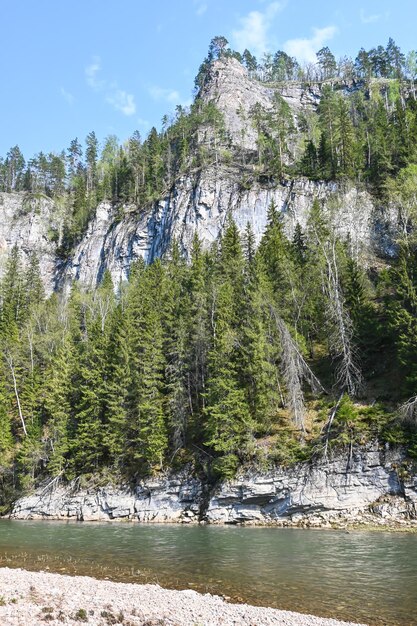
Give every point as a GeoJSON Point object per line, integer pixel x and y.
{"type": "Point", "coordinates": [295, 371]}
{"type": "Point", "coordinates": [19, 407]}
{"type": "Point", "coordinates": [408, 411]}
{"type": "Point", "coordinates": [329, 423]}
{"type": "Point", "coordinates": [348, 373]}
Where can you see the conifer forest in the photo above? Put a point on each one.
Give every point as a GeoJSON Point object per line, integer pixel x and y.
{"type": "Point", "coordinates": [242, 353]}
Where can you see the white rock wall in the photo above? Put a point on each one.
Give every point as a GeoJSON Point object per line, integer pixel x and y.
{"type": "Point", "coordinates": [365, 486]}
{"type": "Point", "coordinates": [198, 203]}
{"type": "Point", "coordinates": [29, 222]}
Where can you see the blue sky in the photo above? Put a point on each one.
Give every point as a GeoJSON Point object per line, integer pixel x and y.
{"type": "Point", "coordinates": [71, 66]}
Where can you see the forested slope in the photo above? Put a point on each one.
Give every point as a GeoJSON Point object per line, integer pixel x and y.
{"type": "Point", "coordinates": [228, 340]}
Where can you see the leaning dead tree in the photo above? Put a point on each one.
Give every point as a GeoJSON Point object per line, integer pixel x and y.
{"type": "Point", "coordinates": [295, 372]}
{"type": "Point", "coordinates": [9, 360]}
{"type": "Point", "coordinates": [348, 373]}
{"type": "Point", "coordinates": [328, 426]}
{"type": "Point", "coordinates": [408, 411]}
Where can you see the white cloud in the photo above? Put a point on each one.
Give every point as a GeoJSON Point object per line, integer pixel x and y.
{"type": "Point", "coordinates": [172, 96]}
{"type": "Point", "coordinates": [305, 49]}
{"type": "Point", "coordinates": [68, 97]}
{"type": "Point", "coordinates": [158, 93]}
{"type": "Point", "coordinates": [369, 19]}
{"type": "Point", "coordinates": [120, 99]}
{"type": "Point", "coordinates": [91, 72]}
{"type": "Point", "coordinates": [253, 33]}
{"type": "Point", "coordinates": [201, 9]}
{"type": "Point", "coordinates": [145, 124]}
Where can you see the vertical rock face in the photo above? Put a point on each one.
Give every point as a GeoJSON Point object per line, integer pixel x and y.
{"type": "Point", "coordinates": [30, 223]}
{"type": "Point", "coordinates": [175, 498]}
{"type": "Point", "coordinates": [363, 487]}
{"type": "Point", "coordinates": [350, 488]}
{"type": "Point", "coordinates": [201, 204]}
{"type": "Point", "coordinates": [198, 202]}
{"type": "Point", "coordinates": [235, 94]}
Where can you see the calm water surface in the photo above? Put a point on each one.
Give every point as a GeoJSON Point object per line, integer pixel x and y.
{"type": "Point", "coordinates": [369, 577]}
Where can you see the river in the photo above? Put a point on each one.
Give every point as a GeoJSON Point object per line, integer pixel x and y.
{"type": "Point", "coordinates": [363, 576]}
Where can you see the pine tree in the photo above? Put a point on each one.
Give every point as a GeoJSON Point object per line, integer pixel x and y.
{"type": "Point", "coordinates": [327, 118]}
{"type": "Point", "coordinates": [91, 154]}
{"type": "Point", "coordinates": [344, 138]}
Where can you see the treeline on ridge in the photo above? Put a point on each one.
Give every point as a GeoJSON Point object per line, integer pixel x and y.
{"type": "Point", "coordinates": [362, 130]}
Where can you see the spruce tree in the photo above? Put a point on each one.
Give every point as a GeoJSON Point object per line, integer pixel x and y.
{"type": "Point", "coordinates": [87, 427]}
{"type": "Point", "coordinates": [229, 425]}
{"type": "Point", "coordinates": [403, 314]}
{"type": "Point", "coordinates": [258, 352]}
{"type": "Point", "coordinates": [198, 333]}
{"type": "Point", "coordinates": [116, 388]}
{"type": "Point", "coordinates": [147, 436]}
{"type": "Point", "coordinates": [275, 253]}
{"type": "Point", "coordinates": [57, 408]}
{"type": "Point", "coordinates": [6, 438]}
{"type": "Point", "coordinates": [176, 325]}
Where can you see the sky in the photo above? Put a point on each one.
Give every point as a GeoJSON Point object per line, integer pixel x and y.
{"type": "Point", "coordinates": [115, 66]}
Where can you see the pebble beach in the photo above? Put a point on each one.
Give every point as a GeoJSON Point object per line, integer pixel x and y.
{"type": "Point", "coordinates": [36, 598]}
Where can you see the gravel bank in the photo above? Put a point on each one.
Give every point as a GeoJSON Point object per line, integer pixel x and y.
{"type": "Point", "coordinates": [36, 598]}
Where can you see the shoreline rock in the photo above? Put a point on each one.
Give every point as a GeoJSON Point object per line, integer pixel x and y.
{"type": "Point", "coordinates": [32, 598]}
{"type": "Point", "coordinates": [371, 487]}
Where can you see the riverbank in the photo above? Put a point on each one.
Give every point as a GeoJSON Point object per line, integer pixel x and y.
{"type": "Point", "coordinates": [372, 486]}
{"type": "Point", "coordinates": [35, 598]}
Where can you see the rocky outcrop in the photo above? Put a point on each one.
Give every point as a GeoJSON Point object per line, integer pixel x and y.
{"type": "Point", "coordinates": [235, 95]}
{"type": "Point", "coordinates": [169, 499]}
{"type": "Point", "coordinates": [31, 223]}
{"type": "Point", "coordinates": [201, 204]}
{"type": "Point", "coordinates": [197, 202]}
{"type": "Point", "coordinates": [371, 486]}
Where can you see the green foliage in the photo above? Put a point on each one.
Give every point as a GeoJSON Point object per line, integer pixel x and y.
{"type": "Point", "coordinates": [288, 448]}
{"type": "Point", "coordinates": [81, 615]}
{"type": "Point", "coordinates": [225, 467]}
{"type": "Point", "coordinates": [57, 405]}
{"type": "Point", "coordinates": [211, 361]}
{"type": "Point", "coordinates": [147, 438]}
{"type": "Point", "coordinates": [197, 362]}
{"type": "Point", "coordinates": [356, 424]}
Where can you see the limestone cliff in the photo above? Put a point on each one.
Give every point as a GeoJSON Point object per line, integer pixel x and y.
{"type": "Point", "coordinates": [371, 486]}
{"type": "Point", "coordinates": [197, 202]}
{"type": "Point", "coordinates": [29, 222]}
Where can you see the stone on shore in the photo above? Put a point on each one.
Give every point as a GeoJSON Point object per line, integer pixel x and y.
{"type": "Point", "coordinates": [35, 598]}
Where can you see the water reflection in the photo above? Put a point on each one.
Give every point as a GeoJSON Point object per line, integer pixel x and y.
{"type": "Point", "coordinates": [362, 576]}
